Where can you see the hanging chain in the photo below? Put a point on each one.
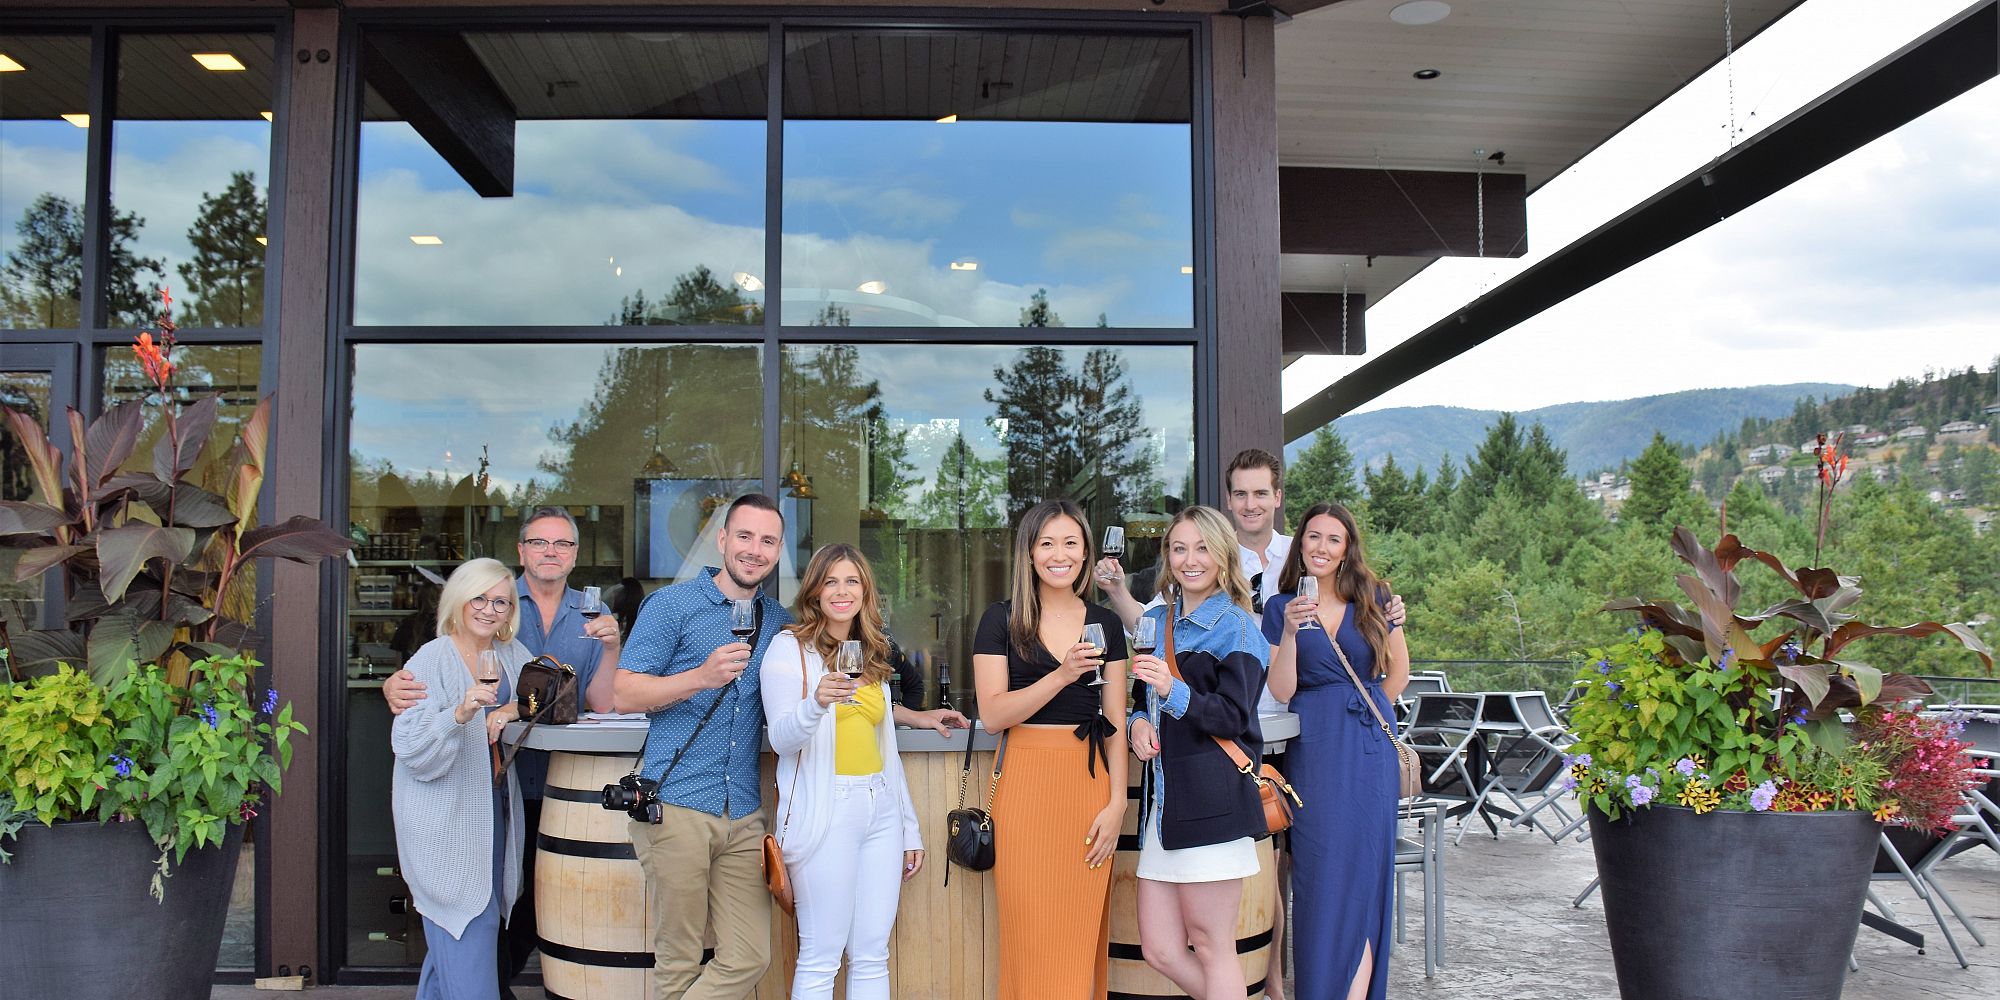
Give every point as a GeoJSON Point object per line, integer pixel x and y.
{"type": "Point", "coordinates": [1343, 305]}
{"type": "Point", "coordinates": [1729, 63]}
{"type": "Point", "coordinates": [1479, 187]}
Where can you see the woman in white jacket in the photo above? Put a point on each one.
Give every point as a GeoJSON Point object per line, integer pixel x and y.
{"type": "Point", "coordinates": [458, 837]}
{"type": "Point", "coordinates": [844, 817]}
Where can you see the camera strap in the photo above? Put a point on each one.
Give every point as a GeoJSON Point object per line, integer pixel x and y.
{"type": "Point", "coordinates": [755, 637]}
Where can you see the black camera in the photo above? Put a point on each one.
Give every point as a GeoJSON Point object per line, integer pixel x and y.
{"type": "Point", "coordinates": [635, 796]}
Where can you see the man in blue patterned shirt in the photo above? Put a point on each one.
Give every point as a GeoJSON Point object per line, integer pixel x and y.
{"type": "Point", "coordinates": [682, 666]}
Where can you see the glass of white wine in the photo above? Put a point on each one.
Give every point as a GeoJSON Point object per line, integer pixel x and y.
{"type": "Point", "coordinates": [1309, 593]}
{"type": "Point", "coordinates": [1093, 634]}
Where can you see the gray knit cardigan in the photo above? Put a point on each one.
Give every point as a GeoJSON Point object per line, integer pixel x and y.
{"type": "Point", "coordinates": [443, 793]}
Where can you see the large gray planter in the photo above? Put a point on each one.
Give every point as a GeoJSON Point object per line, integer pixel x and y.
{"type": "Point", "coordinates": [77, 921]}
{"type": "Point", "coordinates": [1732, 904]}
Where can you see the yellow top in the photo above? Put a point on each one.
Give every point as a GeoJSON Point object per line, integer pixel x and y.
{"type": "Point", "coordinates": [856, 747]}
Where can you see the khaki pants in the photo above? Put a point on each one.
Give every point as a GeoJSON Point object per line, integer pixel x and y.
{"type": "Point", "coordinates": [706, 871]}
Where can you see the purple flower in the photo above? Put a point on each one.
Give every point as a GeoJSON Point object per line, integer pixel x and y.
{"type": "Point", "coordinates": [1633, 781]}
{"type": "Point", "coordinates": [1728, 653]}
{"type": "Point", "coordinates": [1568, 783]}
{"type": "Point", "coordinates": [1630, 707]}
{"type": "Point", "coordinates": [1641, 795]}
{"type": "Point", "coordinates": [270, 700]}
{"type": "Point", "coordinates": [1685, 766]}
{"type": "Point", "coordinates": [1790, 651]}
{"type": "Point", "coordinates": [1761, 796]}
{"type": "Point", "coordinates": [208, 716]}
{"type": "Point", "coordinates": [1614, 686]}
{"type": "Point", "coordinates": [1580, 760]}
{"type": "Point", "coordinates": [1604, 666]}
{"type": "Point", "coordinates": [123, 764]}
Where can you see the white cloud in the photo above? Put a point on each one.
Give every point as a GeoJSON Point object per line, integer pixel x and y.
{"type": "Point", "coordinates": [899, 207]}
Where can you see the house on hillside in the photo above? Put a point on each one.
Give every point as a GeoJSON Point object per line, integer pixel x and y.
{"type": "Point", "coordinates": [1811, 447]}
{"type": "Point", "coordinates": [1914, 432]}
{"type": "Point", "coordinates": [1772, 474]}
{"type": "Point", "coordinates": [1855, 430]}
{"type": "Point", "coordinates": [1768, 453]}
{"type": "Point", "coordinates": [1962, 430]}
{"type": "Point", "coordinates": [1871, 439]}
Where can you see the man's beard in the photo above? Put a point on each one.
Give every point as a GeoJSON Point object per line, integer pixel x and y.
{"type": "Point", "coordinates": [729, 567]}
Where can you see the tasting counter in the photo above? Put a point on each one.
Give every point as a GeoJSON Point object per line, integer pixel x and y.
{"type": "Point", "coordinates": [594, 909]}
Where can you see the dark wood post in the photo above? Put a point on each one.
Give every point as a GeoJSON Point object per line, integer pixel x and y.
{"type": "Point", "coordinates": [1245, 125]}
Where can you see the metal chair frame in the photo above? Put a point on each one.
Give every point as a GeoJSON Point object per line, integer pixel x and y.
{"type": "Point", "coordinates": [1425, 855]}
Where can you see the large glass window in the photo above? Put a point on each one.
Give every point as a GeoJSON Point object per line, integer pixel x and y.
{"type": "Point", "coordinates": [190, 178]}
{"type": "Point", "coordinates": [643, 445]}
{"type": "Point", "coordinates": [566, 179]}
{"type": "Point", "coordinates": [44, 104]}
{"type": "Point", "coordinates": [968, 178]}
{"type": "Point", "coordinates": [925, 456]}
{"type": "Point", "coordinates": [29, 393]}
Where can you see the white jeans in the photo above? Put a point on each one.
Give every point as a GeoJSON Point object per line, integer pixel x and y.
{"type": "Point", "coordinates": [846, 893]}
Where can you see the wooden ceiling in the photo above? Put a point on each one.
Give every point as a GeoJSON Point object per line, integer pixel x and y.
{"type": "Point", "coordinates": [1544, 81]}
{"type": "Point", "coordinates": [158, 80]}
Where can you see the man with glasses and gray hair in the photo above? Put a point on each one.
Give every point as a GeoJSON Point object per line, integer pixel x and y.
{"type": "Point", "coordinates": [552, 624]}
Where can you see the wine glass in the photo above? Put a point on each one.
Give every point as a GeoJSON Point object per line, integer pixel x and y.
{"type": "Point", "coordinates": [1309, 593]}
{"type": "Point", "coordinates": [1146, 635]}
{"type": "Point", "coordinates": [848, 661]}
{"type": "Point", "coordinates": [743, 618]}
{"type": "Point", "coordinates": [486, 670]}
{"type": "Point", "coordinates": [1114, 541]}
{"type": "Point", "coordinates": [591, 606]}
{"type": "Point", "coordinates": [1093, 634]}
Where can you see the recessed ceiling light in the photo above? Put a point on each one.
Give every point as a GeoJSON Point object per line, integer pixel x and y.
{"type": "Point", "coordinates": [263, 241]}
{"type": "Point", "coordinates": [872, 287]}
{"type": "Point", "coordinates": [1420, 12]}
{"type": "Point", "coordinates": [8, 65]}
{"type": "Point", "coordinates": [1427, 74]}
{"type": "Point", "coordinates": [428, 241]}
{"type": "Point", "coordinates": [78, 120]}
{"type": "Point", "coordinates": [267, 116]}
{"type": "Point", "coordinates": [218, 62]}
{"type": "Point", "coordinates": [1187, 268]}
{"type": "Point", "coordinates": [965, 265]}
{"type": "Point", "coordinates": [747, 281]}
{"type": "Point", "coordinates": [947, 120]}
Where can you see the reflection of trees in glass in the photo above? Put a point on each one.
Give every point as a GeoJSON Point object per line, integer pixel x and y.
{"type": "Point", "coordinates": [839, 429]}
{"type": "Point", "coordinates": [834, 314]}
{"type": "Point", "coordinates": [1076, 433]}
{"type": "Point", "coordinates": [697, 299]}
{"type": "Point", "coordinates": [232, 373]}
{"type": "Point", "coordinates": [41, 283]}
{"type": "Point", "coordinates": [697, 404]}
{"type": "Point", "coordinates": [223, 285]}
{"type": "Point", "coordinates": [969, 491]}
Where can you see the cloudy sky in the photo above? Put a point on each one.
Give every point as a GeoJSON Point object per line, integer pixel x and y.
{"type": "Point", "coordinates": [1882, 264]}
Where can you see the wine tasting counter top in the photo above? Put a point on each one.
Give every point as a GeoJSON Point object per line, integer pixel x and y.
{"type": "Point", "coordinates": [622, 738]}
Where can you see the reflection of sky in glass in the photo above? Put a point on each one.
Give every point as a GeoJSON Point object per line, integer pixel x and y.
{"type": "Point", "coordinates": [162, 170]}
{"type": "Point", "coordinates": [1097, 213]}
{"type": "Point", "coordinates": [601, 210]}
{"type": "Point", "coordinates": [37, 158]}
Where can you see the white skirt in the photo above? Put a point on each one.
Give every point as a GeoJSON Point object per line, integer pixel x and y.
{"type": "Point", "coordinates": [1208, 863]}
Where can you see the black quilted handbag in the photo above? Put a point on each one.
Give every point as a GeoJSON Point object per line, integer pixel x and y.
{"type": "Point", "coordinates": [969, 831]}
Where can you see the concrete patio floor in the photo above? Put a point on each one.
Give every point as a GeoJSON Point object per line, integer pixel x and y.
{"type": "Point", "coordinates": [1510, 933]}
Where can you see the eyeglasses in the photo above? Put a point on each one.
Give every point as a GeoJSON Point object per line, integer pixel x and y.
{"type": "Point", "coordinates": [500, 605]}
{"type": "Point", "coordinates": [542, 544]}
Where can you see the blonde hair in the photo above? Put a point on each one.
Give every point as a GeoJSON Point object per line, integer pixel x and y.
{"type": "Point", "coordinates": [1216, 533]}
{"type": "Point", "coordinates": [811, 629]}
{"type": "Point", "coordinates": [471, 579]}
{"type": "Point", "coordinates": [1024, 620]}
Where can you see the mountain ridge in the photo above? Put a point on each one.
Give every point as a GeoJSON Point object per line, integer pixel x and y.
{"type": "Point", "coordinates": [1596, 435]}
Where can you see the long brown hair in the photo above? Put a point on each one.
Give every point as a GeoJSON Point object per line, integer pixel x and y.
{"type": "Point", "coordinates": [812, 625]}
{"type": "Point", "coordinates": [1220, 538]}
{"type": "Point", "coordinates": [1352, 579]}
{"type": "Point", "coordinates": [1023, 623]}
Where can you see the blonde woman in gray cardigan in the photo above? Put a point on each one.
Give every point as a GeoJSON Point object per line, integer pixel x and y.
{"type": "Point", "coordinates": [459, 837]}
{"type": "Point", "coordinates": [844, 817]}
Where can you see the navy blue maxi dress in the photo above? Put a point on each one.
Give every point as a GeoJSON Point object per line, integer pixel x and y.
{"type": "Point", "coordinates": [1344, 840]}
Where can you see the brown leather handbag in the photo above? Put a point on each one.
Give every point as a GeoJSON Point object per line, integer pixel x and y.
{"type": "Point", "coordinates": [1272, 788]}
{"type": "Point", "coordinates": [777, 877]}
{"type": "Point", "coordinates": [546, 693]}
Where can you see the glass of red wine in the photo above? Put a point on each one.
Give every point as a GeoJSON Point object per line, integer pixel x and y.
{"type": "Point", "coordinates": [591, 605]}
{"type": "Point", "coordinates": [487, 670]}
{"type": "Point", "coordinates": [848, 661]}
{"type": "Point", "coordinates": [1145, 635]}
{"type": "Point", "coordinates": [743, 618]}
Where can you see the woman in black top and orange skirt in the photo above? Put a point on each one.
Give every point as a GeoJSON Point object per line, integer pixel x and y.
{"type": "Point", "coordinates": [1060, 799]}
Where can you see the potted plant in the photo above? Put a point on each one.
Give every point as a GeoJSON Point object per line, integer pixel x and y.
{"type": "Point", "coordinates": [1734, 815]}
{"type": "Point", "coordinates": [137, 738]}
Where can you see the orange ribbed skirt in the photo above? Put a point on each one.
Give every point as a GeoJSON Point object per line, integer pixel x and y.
{"type": "Point", "coordinates": [1055, 916]}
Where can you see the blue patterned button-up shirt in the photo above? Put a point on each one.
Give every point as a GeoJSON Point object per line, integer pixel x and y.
{"type": "Point", "coordinates": [678, 627]}
{"type": "Point", "coordinates": [566, 642]}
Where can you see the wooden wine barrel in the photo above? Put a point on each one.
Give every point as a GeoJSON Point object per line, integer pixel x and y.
{"type": "Point", "coordinates": [593, 908]}
{"type": "Point", "coordinates": [1131, 977]}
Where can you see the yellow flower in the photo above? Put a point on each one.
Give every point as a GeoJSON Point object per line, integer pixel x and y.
{"type": "Point", "coordinates": [1887, 811]}
{"type": "Point", "coordinates": [1697, 795]}
{"type": "Point", "coordinates": [1848, 799]}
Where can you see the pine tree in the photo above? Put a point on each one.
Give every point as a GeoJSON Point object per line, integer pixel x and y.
{"type": "Point", "coordinates": [969, 491]}
{"type": "Point", "coordinates": [1659, 483]}
{"type": "Point", "coordinates": [1323, 473]}
{"type": "Point", "coordinates": [41, 284]}
{"type": "Point", "coordinates": [223, 284]}
{"type": "Point", "coordinates": [1393, 500]}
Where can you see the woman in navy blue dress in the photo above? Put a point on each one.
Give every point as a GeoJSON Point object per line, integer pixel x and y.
{"type": "Point", "coordinates": [1344, 840]}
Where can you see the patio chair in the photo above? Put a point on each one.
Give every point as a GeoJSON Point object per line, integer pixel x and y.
{"type": "Point", "coordinates": [1912, 857]}
{"type": "Point", "coordinates": [1515, 756]}
{"type": "Point", "coordinates": [1442, 727]}
{"type": "Point", "coordinates": [1420, 683]}
{"type": "Point", "coordinates": [1532, 768]}
{"type": "Point", "coordinates": [1422, 851]}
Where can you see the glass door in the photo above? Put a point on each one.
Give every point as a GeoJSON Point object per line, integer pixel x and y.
{"type": "Point", "coordinates": [38, 380]}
